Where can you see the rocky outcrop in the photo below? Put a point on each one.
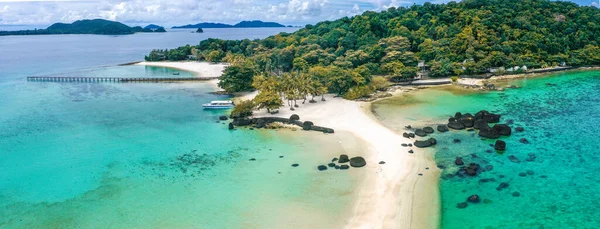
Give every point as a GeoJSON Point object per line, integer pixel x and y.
{"type": "Point", "coordinates": [426, 143]}
{"type": "Point", "coordinates": [231, 126]}
{"type": "Point", "coordinates": [307, 125]}
{"type": "Point", "coordinates": [343, 159]}
{"type": "Point", "coordinates": [442, 128]}
{"type": "Point", "coordinates": [428, 130]}
{"type": "Point", "coordinates": [357, 162]}
{"type": "Point", "coordinates": [456, 125]}
{"type": "Point", "coordinates": [420, 133]}
{"type": "Point", "coordinates": [294, 117]}
{"type": "Point", "coordinates": [262, 123]}
{"type": "Point", "coordinates": [223, 118]}
{"type": "Point", "coordinates": [488, 132]}
{"type": "Point", "coordinates": [502, 129]}
{"type": "Point", "coordinates": [480, 123]}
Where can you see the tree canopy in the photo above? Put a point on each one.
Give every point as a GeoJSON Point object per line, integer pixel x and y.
{"type": "Point", "coordinates": [464, 38]}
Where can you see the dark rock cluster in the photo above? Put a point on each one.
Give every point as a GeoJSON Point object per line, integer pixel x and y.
{"type": "Point", "coordinates": [293, 120]}
{"type": "Point", "coordinates": [355, 162]}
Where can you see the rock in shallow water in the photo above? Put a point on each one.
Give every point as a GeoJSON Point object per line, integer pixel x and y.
{"type": "Point", "coordinates": [442, 128]}
{"type": "Point", "coordinates": [459, 161]}
{"type": "Point", "coordinates": [428, 130]}
{"type": "Point", "coordinates": [321, 167]}
{"type": "Point", "coordinates": [473, 199]}
{"type": "Point", "coordinates": [357, 162]}
{"type": "Point", "coordinates": [500, 145]}
{"type": "Point", "coordinates": [456, 125]}
{"type": "Point", "coordinates": [420, 133]}
{"type": "Point", "coordinates": [344, 167]}
{"type": "Point", "coordinates": [426, 143]}
{"type": "Point", "coordinates": [295, 165]}
{"type": "Point", "coordinates": [462, 205]}
{"type": "Point", "coordinates": [343, 158]}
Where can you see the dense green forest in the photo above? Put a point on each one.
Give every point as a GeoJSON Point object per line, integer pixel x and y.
{"type": "Point", "coordinates": [95, 26]}
{"type": "Point", "coordinates": [464, 38]}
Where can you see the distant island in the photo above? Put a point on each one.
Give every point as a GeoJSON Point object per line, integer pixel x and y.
{"type": "Point", "coordinates": [199, 30]}
{"type": "Point", "coordinates": [243, 24]}
{"type": "Point", "coordinates": [95, 26]}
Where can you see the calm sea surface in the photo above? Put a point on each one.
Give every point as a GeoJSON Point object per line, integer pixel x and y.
{"type": "Point", "coordinates": [102, 155]}
{"type": "Point", "coordinates": [553, 183]}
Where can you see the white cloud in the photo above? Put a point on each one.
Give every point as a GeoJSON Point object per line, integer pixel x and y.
{"type": "Point", "coordinates": [177, 12]}
{"type": "Point", "coordinates": [595, 4]}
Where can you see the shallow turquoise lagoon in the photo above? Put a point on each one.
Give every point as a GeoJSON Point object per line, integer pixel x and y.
{"type": "Point", "coordinates": [555, 183]}
{"type": "Point", "coordinates": [102, 155]}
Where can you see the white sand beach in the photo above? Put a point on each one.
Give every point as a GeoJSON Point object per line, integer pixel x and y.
{"type": "Point", "coordinates": [201, 69]}
{"type": "Point", "coordinates": [393, 195]}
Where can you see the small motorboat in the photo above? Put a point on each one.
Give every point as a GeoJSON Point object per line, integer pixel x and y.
{"type": "Point", "coordinates": [219, 105]}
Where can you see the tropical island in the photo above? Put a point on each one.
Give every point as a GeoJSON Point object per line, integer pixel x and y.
{"type": "Point", "coordinates": [243, 24]}
{"type": "Point", "coordinates": [353, 56]}
{"type": "Point", "coordinates": [95, 26]}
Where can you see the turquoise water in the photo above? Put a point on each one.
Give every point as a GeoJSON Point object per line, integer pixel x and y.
{"type": "Point", "coordinates": [555, 177]}
{"type": "Point", "coordinates": [107, 155]}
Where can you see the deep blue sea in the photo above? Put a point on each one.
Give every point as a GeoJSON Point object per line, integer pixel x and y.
{"type": "Point", "coordinates": [552, 180]}
{"type": "Point", "coordinates": [108, 155]}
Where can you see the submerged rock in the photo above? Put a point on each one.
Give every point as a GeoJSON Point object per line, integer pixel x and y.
{"type": "Point", "coordinates": [223, 118]}
{"type": "Point", "coordinates": [471, 170]}
{"type": "Point", "coordinates": [473, 199]}
{"type": "Point", "coordinates": [321, 167]}
{"type": "Point", "coordinates": [502, 185]}
{"type": "Point", "coordinates": [516, 194]}
{"type": "Point", "coordinates": [500, 145]}
{"type": "Point", "coordinates": [331, 165]}
{"type": "Point", "coordinates": [344, 167]}
{"type": "Point", "coordinates": [524, 141]}
{"type": "Point", "coordinates": [519, 129]}
{"type": "Point", "coordinates": [357, 162]}
{"type": "Point", "coordinates": [459, 161]}
{"type": "Point", "coordinates": [295, 165]}
{"type": "Point", "coordinates": [442, 128]}
{"type": "Point", "coordinates": [462, 205]}
{"type": "Point", "coordinates": [514, 159]}
{"type": "Point", "coordinates": [343, 158]}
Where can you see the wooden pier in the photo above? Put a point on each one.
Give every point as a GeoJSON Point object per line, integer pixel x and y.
{"type": "Point", "coordinates": [113, 79]}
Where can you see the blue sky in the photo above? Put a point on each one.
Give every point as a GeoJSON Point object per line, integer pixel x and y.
{"type": "Point", "coordinates": [176, 12]}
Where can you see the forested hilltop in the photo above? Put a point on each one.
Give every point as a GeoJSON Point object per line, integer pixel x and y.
{"type": "Point", "coordinates": [464, 38]}
{"type": "Point", "coordinates": [95, 26]}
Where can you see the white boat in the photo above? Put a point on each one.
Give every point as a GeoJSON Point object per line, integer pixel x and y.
{"type": "Point", "coordinates": [219, 105]}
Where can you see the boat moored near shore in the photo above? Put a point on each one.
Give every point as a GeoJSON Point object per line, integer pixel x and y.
{"type": "Point", "coordinates": [219, 105]}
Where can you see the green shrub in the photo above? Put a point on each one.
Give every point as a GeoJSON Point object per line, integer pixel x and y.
{"type": "Point", "coordinates": [454, 79]}
{"type": "Point", "coordinates": [380, 83]}
{"type": "Point", "coordinates": [359, 92]}
{"type": "Point", "coordinates": [243, 109]}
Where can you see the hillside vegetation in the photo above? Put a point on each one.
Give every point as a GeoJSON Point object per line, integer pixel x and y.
{"type": "Point", "coordinates": [464, 38]}
{"type": "Point", "coordinates": [95, 26]}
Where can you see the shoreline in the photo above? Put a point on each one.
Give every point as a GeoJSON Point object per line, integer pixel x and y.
{"type": "Point", "coordinates": [392, 195]}
{"type": "Point", "coordinates": [479, 82]}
